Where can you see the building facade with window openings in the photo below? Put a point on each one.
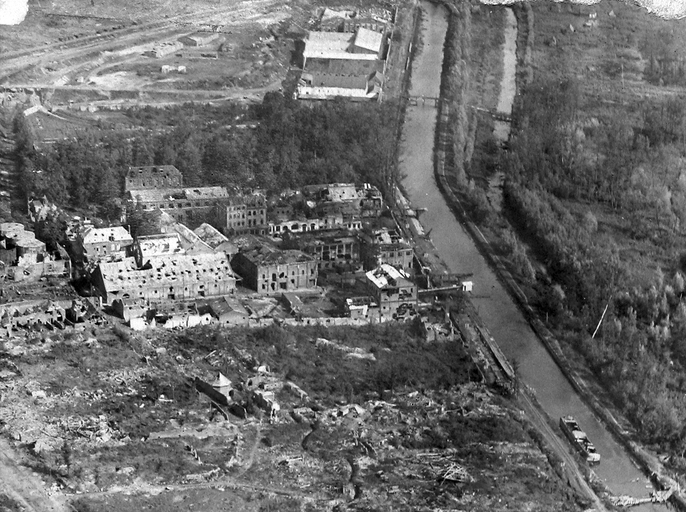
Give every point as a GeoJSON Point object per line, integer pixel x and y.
{"type": "Point", "coordinates": [267, 269]}
{"type": "Point", "coordinates": [94, 244]}
{"type": "Point", "coordinates": [152, 177]}
{"type": "Point", "coordinates": [393, 292]}
{"type": "Point", "coordinates": [191, 206]}
{"type": "Point", "coordinates": [384, 246]}
{"type": "Point", "coordinates": [334, 250]}
{"type": "Point", "coordinates": [165, 278]}
{"type": "Point", "coordinates": [243, 214]}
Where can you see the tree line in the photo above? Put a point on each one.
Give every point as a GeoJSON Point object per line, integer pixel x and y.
{"type": "Point", "coordinates": [283, 144]}
{"type": "Point", "coordinates": [635, 169]}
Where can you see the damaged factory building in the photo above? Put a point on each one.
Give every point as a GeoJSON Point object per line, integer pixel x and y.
{"type": "Point", "coordinates": [162, 279]}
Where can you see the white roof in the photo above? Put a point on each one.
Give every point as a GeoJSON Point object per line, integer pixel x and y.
{"type": "Point", "coordinates": [322, 93]}
{"type": "Point", "coordinates": [165, 194]}
{"type": "Point", "coordinates": [369, 39]}
{"type": "Point", "coordinates": [93, 235]}
{"type": "Point", "coordinates": [158, 245]}
{"type": "Point", "coordinates": [221, 381]}
{"type": "Point", "coordinates": [121, 275]}
{"type": "Point", "coordinates": [332, 45]}
{"type": "Point", "coordinates": [386, 275]}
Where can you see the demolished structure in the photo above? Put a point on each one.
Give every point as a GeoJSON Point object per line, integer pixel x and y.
{"type": "Point", "coordinates": [191, 206]}
{"type": "Point", "coordinates": [267, 269]}
{"type": "Point", "coordinates": [152, 177]}
{"type": "Point", "coordinates": [393, 291]}
{"type": "Point", "coordinates": [334, 250]}
{"type": "Point", "coordinates": [24, 258]}
{"type": "Point", "coordinates": [165, 278]}
{"type": "Point", "coordinates": [384, 246]}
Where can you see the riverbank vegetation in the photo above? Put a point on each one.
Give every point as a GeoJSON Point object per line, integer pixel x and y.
{"type": "Point", "coordinates": [595, 195]}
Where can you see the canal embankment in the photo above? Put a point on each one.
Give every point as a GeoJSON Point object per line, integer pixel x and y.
{"type": "Point", "coordinates": [648, 463]}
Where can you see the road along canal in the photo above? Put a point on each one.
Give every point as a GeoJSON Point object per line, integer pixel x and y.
{"type": "Point", "coordinates": [500, 314]}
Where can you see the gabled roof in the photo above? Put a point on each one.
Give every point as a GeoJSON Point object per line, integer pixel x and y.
{"type": "Point", "coordinates": [221, 381]}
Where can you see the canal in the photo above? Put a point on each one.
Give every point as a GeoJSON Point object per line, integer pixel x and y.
{"type": "Point", "coordinates": [500, 314]}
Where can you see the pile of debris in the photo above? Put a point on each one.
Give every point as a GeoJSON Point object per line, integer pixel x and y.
{"type": "Point", "coordinates": [351, 352]}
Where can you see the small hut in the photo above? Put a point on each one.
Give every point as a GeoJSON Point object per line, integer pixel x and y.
{"type": "Point", "coordinates": [222, 385]}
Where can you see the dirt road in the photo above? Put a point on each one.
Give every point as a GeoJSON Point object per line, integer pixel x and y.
{"type": "Point", "coordinates": [146, 33]}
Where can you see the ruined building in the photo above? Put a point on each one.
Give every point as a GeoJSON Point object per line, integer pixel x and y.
{"type": "Point", "coordinates": [267, 269]}
{"type": "Point", "coordinates": [24, 258]}
{"type": "Point", "coordinates": [165, 278]}
{"type": "Point", "coordinates": [393, 291]}
{"type": "Point", "coordinates": [95, 244]}
{"type": "Point", "coordinates": [243, 213]}
{"type": "Point", "coordinates": [334, 250]}
{"type": "Point", "coordinates": [152, 177]}
{"type": "Point", "coordinates": [384, 246]}
{"type": "Point", "coordinates": [191, 206]}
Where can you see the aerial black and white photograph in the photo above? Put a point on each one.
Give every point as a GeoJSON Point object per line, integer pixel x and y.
{"type": "Point", "coordinates": [342, 255]}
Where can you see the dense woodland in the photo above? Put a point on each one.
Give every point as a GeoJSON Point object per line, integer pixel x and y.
{"type": "Point", "coordinates": [602, 205]}
{"type": "Point", "coordinates": [277, 145]}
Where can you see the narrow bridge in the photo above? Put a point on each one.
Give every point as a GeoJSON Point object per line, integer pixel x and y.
{"type": "Point", "coordinates": [498, 116]}
{"type": "Point", "coordinates": [423, 101]}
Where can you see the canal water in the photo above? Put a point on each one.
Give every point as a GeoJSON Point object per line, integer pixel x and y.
{"type": "Point", "coordinates": [501, 316]}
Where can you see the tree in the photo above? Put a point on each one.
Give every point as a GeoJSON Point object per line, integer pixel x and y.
{"type": "Point", "coordinates": [51, 230]}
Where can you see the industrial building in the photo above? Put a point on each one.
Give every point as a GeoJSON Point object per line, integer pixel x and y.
{"type": "Point", "coordinates": [165, 278]}
{"type": "Point", "coordinates": [94, 244]}
{"type": "Point", "coordinates": [165, 48]}
{"type": "Point", "coordinates": [333, 250]}
{"type": "Point", "coordinates": [384, 246]}
{"type": "Point", "coordinates": [267, 269]}
{"type": "Point", "coordinates": [393, 291]}
{"type": "Point", "coordinates": [243, 213]}
{"type": "Point", "coordinates": [199, 39]}
{"type": "Point", "coordinates": [191, 206]}
{"type": "Point", "coordinates": [152, 177]}
{"type": "Point", "coordinates": [24, 258]}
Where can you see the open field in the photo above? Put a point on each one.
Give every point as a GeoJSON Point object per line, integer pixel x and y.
{"type": "Point", "coordinates": [118, 419]}
{"type": "Point", "coordinates": [250, 50]}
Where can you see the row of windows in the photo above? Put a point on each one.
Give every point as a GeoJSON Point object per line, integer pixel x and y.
{"type": "Point", "coordinates": [399, 254]}
{"type": "Point", "coordinates": [282, 275]}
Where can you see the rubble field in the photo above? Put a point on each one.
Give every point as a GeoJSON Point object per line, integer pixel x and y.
{"type": "Point", "coordinates": [371, 418]}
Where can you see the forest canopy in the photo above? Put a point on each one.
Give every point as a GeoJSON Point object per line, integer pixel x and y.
{"type": "Point", "coordinates": [279, 144]}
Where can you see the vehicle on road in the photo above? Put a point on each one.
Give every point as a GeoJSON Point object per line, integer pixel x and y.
{"type": "Point", "coordinates": [579, 439]}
